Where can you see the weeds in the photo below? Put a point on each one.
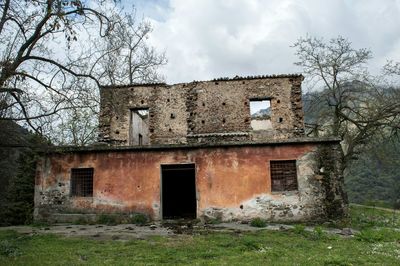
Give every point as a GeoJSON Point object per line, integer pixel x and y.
{"type": "Point", "coordinates": [319, 232]}
{"type": "Point", "coordinates": [138, 219]}
{"type": "Point", "coordinates": [214, 221]}
{"type": "Point", "coordinates": [108, 219]}
{"type": "Point", "coordinates": [363, 217]}
{"type": "Point", "coordinates": [258, 222]}
{"type": "Point", "coordinates": [299, 229]}
{"type": "Point", "coordinates": [40, 224]}
{"type": "Point", "coordinates": [377, 235]}
{"type": "Point", "coordinates": [250, 244]}
{"type": "Point", "coordinates": [81, 220]}
{"type": "Point", "coordinates": [9, 249]}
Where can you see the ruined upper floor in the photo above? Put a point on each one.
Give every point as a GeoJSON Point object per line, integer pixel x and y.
{"type": "Point", "coordinates": [224, 110]}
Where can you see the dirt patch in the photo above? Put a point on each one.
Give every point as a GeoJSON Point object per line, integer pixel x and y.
{"type": "Point", "coordinates": [99, 232]}
{"type": "Point", "coordinates": [166, 228]}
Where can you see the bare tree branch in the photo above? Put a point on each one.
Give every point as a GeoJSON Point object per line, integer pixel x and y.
{"type": "Point", "coordinates": [348, 104]}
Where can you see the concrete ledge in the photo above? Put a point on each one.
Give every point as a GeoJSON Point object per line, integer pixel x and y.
{"type": "Point", "coordinates": [272, 142]}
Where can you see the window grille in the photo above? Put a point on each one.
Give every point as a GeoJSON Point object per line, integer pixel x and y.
{"type": "Point", "coordinates": [82, 182]}
{"type": "Point", "coordinates": [283, 175]}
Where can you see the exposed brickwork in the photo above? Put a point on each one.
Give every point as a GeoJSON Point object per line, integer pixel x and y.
{"type": "Point", "coordinates": [183, 113]}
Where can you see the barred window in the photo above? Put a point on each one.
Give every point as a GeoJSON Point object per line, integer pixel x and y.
{"type": "Point", "coordinates": [283, 175]}
{"type": "Point", "coordinates": [82, 182]}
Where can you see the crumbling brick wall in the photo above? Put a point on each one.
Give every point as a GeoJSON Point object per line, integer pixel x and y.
{"type": "Point", "coordinates": [206, 111]}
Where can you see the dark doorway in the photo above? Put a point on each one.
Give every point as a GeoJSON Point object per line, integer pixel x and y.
{"type": "Point", "coordinates": [178, 191]}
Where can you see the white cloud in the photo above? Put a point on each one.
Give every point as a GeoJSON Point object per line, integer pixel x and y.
{"type": "Point", "coordinates": [213, 38]}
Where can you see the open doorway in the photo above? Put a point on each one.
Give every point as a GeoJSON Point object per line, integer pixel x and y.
{"type": "Point", "coordinates": [178, 193]}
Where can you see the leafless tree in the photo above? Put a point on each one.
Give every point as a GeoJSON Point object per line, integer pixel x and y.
{"type": "Point", "coordinates": [349, 105]}
{"type": "Point", "coordinates": [126, 57]}
{"type": "Point", "coordinates": [29, 33]}
{"type": "Point", "coordinates": [122, 57]}
{"type": "Point", "coordinates": [54, 54]}
{"type": "Point", "coordinates": [392, 68]}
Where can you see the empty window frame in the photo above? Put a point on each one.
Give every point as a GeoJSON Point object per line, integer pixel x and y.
{"type": "Point", "coordinates": [140, 139]}
{"type": "Point", "coordinates": [139, 127]}
{"type": "Point", "coordinates": [283, 175]}
{"type": "Point", "coordinates": [260, 112]}
{"type": "Point", "coordinates": [82, 182]}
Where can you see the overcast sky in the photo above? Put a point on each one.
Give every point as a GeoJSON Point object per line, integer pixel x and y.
{"type": "Point", "coordinates": [205, 39]}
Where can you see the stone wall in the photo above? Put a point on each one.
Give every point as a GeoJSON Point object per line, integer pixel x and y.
{"type": "Point", "coordinates": [207, 111]}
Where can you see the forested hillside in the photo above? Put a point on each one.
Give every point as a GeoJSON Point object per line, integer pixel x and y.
{"type": "Point", "coordinates": [375, 177]}
{"type": "Point", "coordinates": [372, 177]}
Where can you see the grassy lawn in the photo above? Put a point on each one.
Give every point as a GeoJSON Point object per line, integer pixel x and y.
{"type": "Point", "coordinates": [366, 216]}
{"type": "Point", "coordinates": [378, 246]}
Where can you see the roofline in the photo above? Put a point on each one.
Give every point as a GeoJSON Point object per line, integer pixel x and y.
{"type": "Point", "coordinates": [104, 148]}
{"type": "Point", "coordinates": [236, 78]}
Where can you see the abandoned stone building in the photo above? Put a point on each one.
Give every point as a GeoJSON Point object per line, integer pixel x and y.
{"type": "Point", "coordinates": [228, 149]}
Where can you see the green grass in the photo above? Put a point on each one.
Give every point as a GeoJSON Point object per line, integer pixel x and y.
{"type": "Point", "coordinates": [364, 217]}
{"type": "Point", "coordinates": [265, 247]}
{"type": "Point", "coordinates": [379, 246]}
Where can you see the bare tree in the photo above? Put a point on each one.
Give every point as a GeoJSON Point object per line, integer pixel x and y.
{"type": "Point", "coordinates": [349, 105]}
{"type": "Point", "coordinates": [122, 57]}
{"type": "Point", "coordinates": [54, 55]}
{"type": "Point", "coordinates": [74, 126]}
{"type": "Point", "coordinates": [127, 58]}
{"type": "Point", "coordinates": [31, 72]}
{"type": "Point", "coordinates": [392, 68]}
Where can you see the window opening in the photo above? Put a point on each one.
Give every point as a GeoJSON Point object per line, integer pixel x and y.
{"type": "Point", "coordinates": [82, 182]}
{"type": "Point", "coordinates": [260, 112]}
{"type": "Point", "coordinates": [140, 139]}
{"type": "Point", "coordinates": [139, 127]}
{"type": "Point", "coordinates": [283, 175]}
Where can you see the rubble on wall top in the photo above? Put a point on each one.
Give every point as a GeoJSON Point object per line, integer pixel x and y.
{"type": "Point", "coordinates": [259, 77]}
{"type": "Point", "coordinates": [219, 134]}
{"type": "Point", "coordinates": [152, 84]}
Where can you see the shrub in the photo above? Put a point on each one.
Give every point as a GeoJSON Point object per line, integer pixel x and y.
{"type": "Point", "coordinates": [258, 222]}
